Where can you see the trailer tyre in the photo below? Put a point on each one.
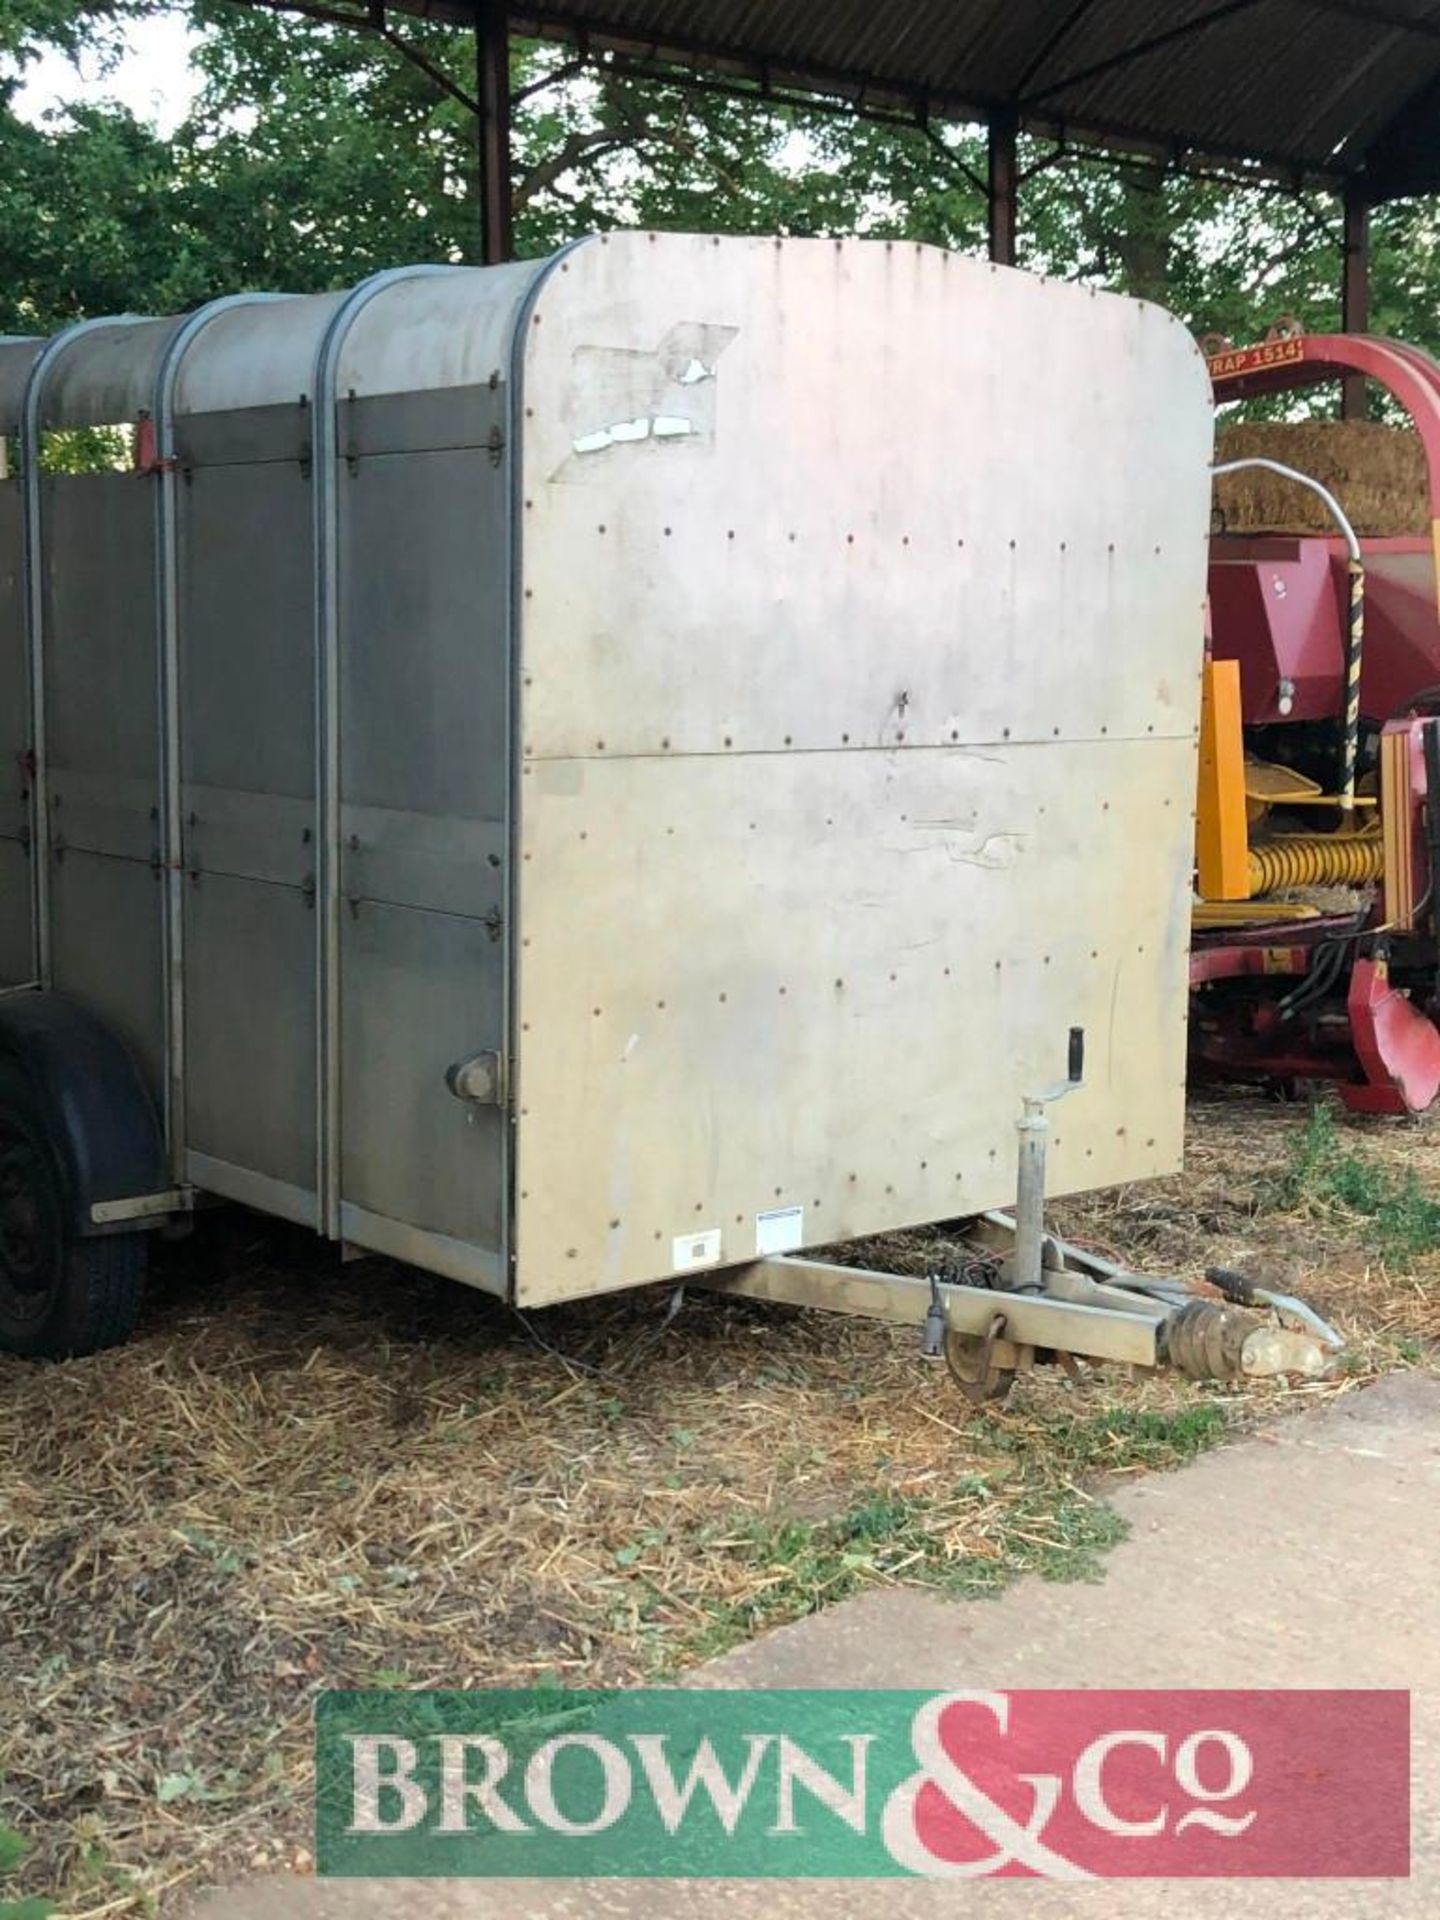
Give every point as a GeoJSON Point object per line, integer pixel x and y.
{"type": "Point", "coordinates": [60, 1295]}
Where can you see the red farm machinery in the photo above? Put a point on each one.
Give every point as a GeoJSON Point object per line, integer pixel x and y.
{"type": "Point", "coordinates": [1318, 843]}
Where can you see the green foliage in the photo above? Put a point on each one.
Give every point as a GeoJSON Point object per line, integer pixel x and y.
{"type": "Point", "coordinates": [13, 1848]}
{"type": "Point", "coordinates": [1059, 1534]}
{"type": "Point", "coordinates": [315, 154]}
{"type": "Point", "coordinates": [1116, 1437]}
{"type": "Point", "coordinates": [1327, 1178]}
{"type": "Point", "coordinates": [86, 450]}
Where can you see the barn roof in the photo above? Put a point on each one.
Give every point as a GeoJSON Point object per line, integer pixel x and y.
{"type": "Point", "coordinates": [1316, 89]}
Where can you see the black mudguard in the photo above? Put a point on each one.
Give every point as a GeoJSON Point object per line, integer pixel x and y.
{"type": "Point", "coordinates": [102, 1120]}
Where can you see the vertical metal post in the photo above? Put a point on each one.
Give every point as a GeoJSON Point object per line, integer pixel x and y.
{"type": "Point", "coordinates": [167, 613]}
{"type": "Point", "coordinates": [325, 471]}
{"type": "Point", "coordinates": [492, 89]}
{"type": "Point", "coordinates": [1004, 129]}
{"type": "Point", "coordinates": [37, 605]}
{"type": "Point", "coordinates": [1355, 290]}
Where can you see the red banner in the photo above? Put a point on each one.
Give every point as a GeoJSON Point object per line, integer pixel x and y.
{"type": "Point", "coordinates": [1173, 1784]}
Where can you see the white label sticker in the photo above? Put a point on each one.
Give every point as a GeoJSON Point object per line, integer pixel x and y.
{"type": "Point", "coordinates": [781, 1230]}
{"type": "Point", "coordinates": [696, 1250]}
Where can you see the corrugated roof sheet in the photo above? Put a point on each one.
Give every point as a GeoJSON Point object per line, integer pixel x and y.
{"type": "Point", "coordinates": [1321, 87]}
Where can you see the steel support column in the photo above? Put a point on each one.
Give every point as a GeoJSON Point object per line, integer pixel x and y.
{"type": "Point", "coordinates": [1004, 131]}
{"type": "Point", "coordinates": [492, 75]}
{"type": "Point", "coordinates": [1355, 290]}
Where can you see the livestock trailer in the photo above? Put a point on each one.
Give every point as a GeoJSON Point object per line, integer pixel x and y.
{"type": "Point", "coordinates": [614, 768]}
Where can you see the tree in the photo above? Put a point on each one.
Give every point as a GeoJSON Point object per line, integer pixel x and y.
{"type": "Point", "coordinates": [315, 154]}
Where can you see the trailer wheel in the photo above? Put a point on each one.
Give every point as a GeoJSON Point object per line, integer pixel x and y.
{"type": "Point", "coordinates": [60, 1295]}
{"type": "Point", "coordinates": [967, 1355]}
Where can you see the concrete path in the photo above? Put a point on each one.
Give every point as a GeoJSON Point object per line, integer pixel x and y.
{"type": "Point", "coordinates": [1306, 1557]}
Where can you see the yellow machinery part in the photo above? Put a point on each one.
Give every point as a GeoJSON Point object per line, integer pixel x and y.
{"type": "Point", "coordinates": [1208, 914]}
{"type": "Point", "coordinates": [1316, 860]}
{"type": "Point", "coordinates": [1267, 785]}
{"type": "Point", "coordinates": [1400, 902]}
{"type": "Point", "coordinates": [1221, 829]}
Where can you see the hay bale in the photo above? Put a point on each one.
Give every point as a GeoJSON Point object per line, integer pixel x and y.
{"type": "Point", "coordinates": [1376, 473]}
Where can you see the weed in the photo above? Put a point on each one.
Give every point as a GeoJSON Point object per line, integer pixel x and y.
{"type": "Point", "coordinates": [1325, 1178]}
{"type": "Point", "coordinates": [887, 1538]}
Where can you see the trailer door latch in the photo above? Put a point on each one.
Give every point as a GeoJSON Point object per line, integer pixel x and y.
{"type": "Point", "coordinates": [480, 1080]}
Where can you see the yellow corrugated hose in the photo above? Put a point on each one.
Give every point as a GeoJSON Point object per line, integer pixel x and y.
{"type": "Point", "coordinates": [1316, 860]}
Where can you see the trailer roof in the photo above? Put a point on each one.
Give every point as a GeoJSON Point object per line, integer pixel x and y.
{"type": "Point", "coordinates": [1312, 89]}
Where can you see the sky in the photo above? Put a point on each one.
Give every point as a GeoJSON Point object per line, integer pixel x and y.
{"type": "Point", "coordinates": [152, 77]}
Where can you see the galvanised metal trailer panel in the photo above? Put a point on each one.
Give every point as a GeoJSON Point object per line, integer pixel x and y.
{"type": "Point", "coordinates": [857, 713]}
{"type": "Point", "coordinates": [750, 688]}
{"type": "Point", "coordinates": [16, 925]}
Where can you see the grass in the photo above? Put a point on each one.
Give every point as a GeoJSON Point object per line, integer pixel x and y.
{"type": "Point", "coordinates": [296, 1479]}
{"type": "Point", "coordinates": [885, 1540]}
{"type": "Point", "coordinates": [1327, 1176]}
